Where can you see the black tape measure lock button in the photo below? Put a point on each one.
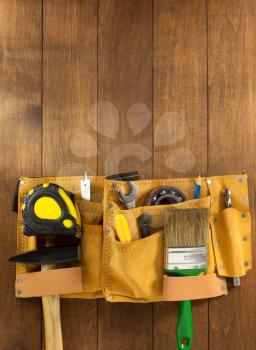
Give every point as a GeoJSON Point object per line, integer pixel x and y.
{"type": "Point", "coordinates": [165, 195]}
{"type": "Point", "coordinates": [49, 209]}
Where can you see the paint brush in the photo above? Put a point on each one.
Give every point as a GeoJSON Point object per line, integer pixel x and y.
{"type": "Point", "coordinates": [186, 239]}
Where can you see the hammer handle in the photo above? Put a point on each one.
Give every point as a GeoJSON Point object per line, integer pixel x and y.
{"type": "Point", "coordinates": [52, 320]}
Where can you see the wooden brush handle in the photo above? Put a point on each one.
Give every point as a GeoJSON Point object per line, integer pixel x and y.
{"type": "Point", "coordinates": [52, 320]}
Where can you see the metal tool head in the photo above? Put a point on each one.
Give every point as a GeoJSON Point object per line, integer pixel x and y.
{"type": "Point", "coordinates": [144, 222]}
{"type": "Point", "coordinates": [228, 197]}
{"type": "Point", "coordinates": [48, 256]}
{"type": "Point", "coordinates": [164, 195]}
{"type": "Point", "coordinates": [129, 198]}
{"type": "Point", "coordinates": [186, 258]}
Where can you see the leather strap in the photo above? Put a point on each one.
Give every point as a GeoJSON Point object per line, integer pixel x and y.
{"type": "Point", "coordinates": [50, 282]}
{"type": "Point", "coordinates": [194, 287]}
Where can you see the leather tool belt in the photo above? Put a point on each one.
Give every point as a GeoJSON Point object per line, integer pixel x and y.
{"type": "Point", "coordinates": [133, 271]}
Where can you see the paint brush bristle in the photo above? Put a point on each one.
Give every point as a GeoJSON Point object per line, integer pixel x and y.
{"type": "Point", "coordinates": [186, 227]}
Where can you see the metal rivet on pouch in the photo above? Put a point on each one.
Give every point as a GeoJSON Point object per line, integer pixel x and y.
{"type": "Point", "coordinates": [19, 292]}
{"type": "Point", "coordinates": [246, 200]}
{"type": "Point", "coordinates": [246, 264]}
{"type": "Point", "coordinates": [217, 243]}
{"type": "Point", "coordinates": [245, 238]}
{"type": "Point", "coordinates": [110, 205]}
{"type": "Point", "coordinates": [209, 181]}
{"type": "Point", "coordinates": [22, 182]}
{"type": "Point", "coordinates": [109, 297]}
{"type": "Point", "coordinates": [243, 215]}
{"type": "Point", "coordinates": [108, 231]}
{"type": "Point", "coordinates": [113, 186]}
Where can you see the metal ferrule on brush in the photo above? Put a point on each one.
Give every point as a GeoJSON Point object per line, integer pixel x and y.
{"type": "Point", "coordinates": [186, 258]}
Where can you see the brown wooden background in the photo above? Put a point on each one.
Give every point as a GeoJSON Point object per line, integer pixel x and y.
{"type": "Point", "coordinates": [58, 58]}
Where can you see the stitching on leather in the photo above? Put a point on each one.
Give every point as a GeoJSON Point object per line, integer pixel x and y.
{"type": "Point", "coordinates": [92, 229]}
{"type": "Point", "coordinates": [179, 180]}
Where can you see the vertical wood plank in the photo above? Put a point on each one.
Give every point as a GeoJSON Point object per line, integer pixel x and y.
{"type": "Point", "coordinates": [232, 144]}
{"type": "Point", "coordinates": [125, 136]}
{"type": "Point", "coordinates": [69, 142]}
{"type": "Point", "coordinates": [20, 154]}
{"type": "Point", "coordinates": [180, 125]}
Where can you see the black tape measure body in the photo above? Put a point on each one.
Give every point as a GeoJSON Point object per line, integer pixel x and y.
{"type": "Point", "coordinates": [49, 209]}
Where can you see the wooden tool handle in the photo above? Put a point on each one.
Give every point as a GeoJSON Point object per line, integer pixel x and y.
{"type": "Point", "coordinates": [52, 320]}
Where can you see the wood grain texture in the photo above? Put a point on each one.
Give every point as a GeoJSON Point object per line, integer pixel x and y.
{"type": "Point", "coordinates": [180, 126]}
{"type": "Point", "coordinates": [232, 144]}
{"type": "Point", "coordinates": [125, 136]}
{"type": "Point", "coordinates": [132, 57]}
{"type": "Point", "coordinates": [20, 153]}
{"type": "Point", "coordinates": [69, 144]}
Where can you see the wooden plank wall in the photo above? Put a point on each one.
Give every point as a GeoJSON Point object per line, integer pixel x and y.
{"type": "Point", "coordinates": [175, 86]}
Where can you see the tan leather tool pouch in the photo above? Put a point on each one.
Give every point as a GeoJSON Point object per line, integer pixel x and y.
{"type": "Point", "coordinates": [133, 271]}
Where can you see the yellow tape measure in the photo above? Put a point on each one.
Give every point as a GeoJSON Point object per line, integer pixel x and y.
{"type": "Point", "coordinates": [49, 209]}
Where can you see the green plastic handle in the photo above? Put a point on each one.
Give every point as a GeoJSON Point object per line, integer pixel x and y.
{"type": "Point", "coordinates": [184, 330]}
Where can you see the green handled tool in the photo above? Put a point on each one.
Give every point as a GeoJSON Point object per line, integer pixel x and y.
{"type": "Point", "coordinates": [184, 333]}
{"type": "Point", "coordinates": [186, 238]}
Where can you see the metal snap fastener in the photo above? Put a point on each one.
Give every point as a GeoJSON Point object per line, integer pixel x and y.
{"type": "Point", "coordinates": [108, 231]}
{"type": "Point", "coordinates": [113, 186]}
{"type": "Point", "coordinates": [22, 182]}
{"type": "Point", "coordinates": [245, 238]}
{"type": "Point", "coordinates": [217, 243]}
{"type": "Point", "coordinates": [209, 181]}
{"type": "Point", "coordinates": [243, 215]}
{"type": "Point", "coordinates": [246, 264]}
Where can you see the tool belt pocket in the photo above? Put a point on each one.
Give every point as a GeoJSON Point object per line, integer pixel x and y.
{"type": "Point", "coordinates": [133, 271]}
{"type": "Point", "coordinates": [81, 279]}
{"type": "Point", "coordinates": [231, 233]}
{"type": "Point", "coordinates": [231, 227]}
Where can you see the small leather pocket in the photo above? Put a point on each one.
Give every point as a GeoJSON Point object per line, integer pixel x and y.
{"type": "Point", "coordinates": [231, 233]}
{"type": "Point", "coordinates": [133, 269]}
{"type": "Point", "coordinates": [91, 257]}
